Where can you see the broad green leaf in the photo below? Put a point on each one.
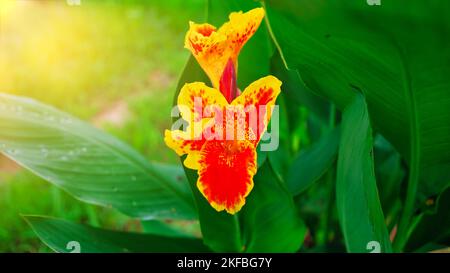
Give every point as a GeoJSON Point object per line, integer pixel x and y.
{"type": "Point", "coordinates": [281, 156]}
{"type": "Point", "coordinates": [269, 219]}
{"type": "Point", "coordinates": [280, 160]}
{"type": "Point", "coordinates": [358, 205]}
{"type": "Point", "coordinates": [89, 164]}
{"type": "Point", "coordinates": [313, 162]}
{"type": "Point", "coordinates": [220, 230]}
{"type": "Point", "coordinates": [268, 222]}
{"type": "Point", "coordinates": [63, 236]}
{"type": "Point", "coordinates": [261, 156]}
{"type": "Point", "coordinates": [296, 92]}
{"type": "Point", "coordinates": [397, 54]}
{"type": "Point", "coordinates": [308, 115]}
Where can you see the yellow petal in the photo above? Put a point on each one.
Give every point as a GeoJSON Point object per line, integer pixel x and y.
{"type": "Point", "coordinates": [195, 97]}
{"type": "Point", "coordinates": [189, 141]}
{"type": "Point", "coordinates": [192, 160]}
{"type": "Point", "coordinates": [262, 95]}
{"type": "Point", "coordinates": [213, 48]}
{"type": "Point", "coordinates": [241, 27]}
{"type": "Point", "coordinates": [181, 142]}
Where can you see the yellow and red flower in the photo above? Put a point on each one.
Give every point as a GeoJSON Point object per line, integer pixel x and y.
{"type": "Point", "coordinates": [213, 48]}
{"type": "Point", "coordinates": [224, 126]}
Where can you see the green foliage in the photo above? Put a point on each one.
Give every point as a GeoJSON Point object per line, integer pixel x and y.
{"type": "Point", "coordinates": [58, 234]}
{"type": "Point", "coordinates": [313, 162]}
{"type": "Point", "coordinates": [24, 193]}
{"type": "Point", "coordinates": [358, 204]}
{"type": "Point", "coordinates": [403, 97]}
{"type": "Point", "coordinates": [270, 221]}
{"type": "Point", "coordinates": [91, 165]}
{"type": "Point", "coordinates": [94, 73]}
{"type": "Point", "coordinates": [365, 85]}
{"type": "Point", "coordinates": [342, 46]}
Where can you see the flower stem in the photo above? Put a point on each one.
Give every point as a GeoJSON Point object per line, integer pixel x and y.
{"type": "Point", "coordinates": [408, 210]}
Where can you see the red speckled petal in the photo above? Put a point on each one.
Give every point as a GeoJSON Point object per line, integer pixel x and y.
{"type": "Point", "coordinates": [261, 95]}
{"type": "Point", "coordinates": [226, 173]}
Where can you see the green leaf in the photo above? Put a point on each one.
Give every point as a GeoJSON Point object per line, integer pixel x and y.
{"type": "Point", "coordinates": [390, 174]}
{"type": "Point", "coordinates": [396, 54]}
{"type": "Point", "coordinates": [268, 222]}
{"type": "Point", "coordinates": [358, 205]}
{"type": "Point", "coordinates": [297, 93]}
{"type": "Point", "coordinates": [281, 157]}
{"type": "Point", "coordinates": [269, 219]}
{"type": "Point", "coordinates": [220, 230]}
{"type": "Point", "coordinates": [261, 156]}
{"type": "Point", "coordinates": [58, 234]}
{"type": "Point", "coordinates": [89, 164]}
{"type": "Point", "coordinates": [313, 162]}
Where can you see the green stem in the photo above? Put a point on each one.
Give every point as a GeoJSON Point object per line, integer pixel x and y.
{"type": "Point", "coordinates": [238, 234]}
{"type": "Point", "coordinates": [403, 227]}
{"type": "Point", "coordinates": [413, 181]}
{"type": "Point", "coordinates": [269, 29]}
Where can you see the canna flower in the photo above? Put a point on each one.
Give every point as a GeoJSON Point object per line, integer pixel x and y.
{"type": "Point", "coordinates": [213, 48]}
{"type": "Point", "coordinates": [225, 165]}
{"type": "Point", "coordinates": [224, 125]}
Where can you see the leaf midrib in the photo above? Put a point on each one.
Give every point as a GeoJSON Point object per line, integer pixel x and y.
{"type": "Point", "coordinates": [94, 133]}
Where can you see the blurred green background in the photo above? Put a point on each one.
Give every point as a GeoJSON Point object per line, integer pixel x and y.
{"type": "Point", "coordinates": [113, 63]}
